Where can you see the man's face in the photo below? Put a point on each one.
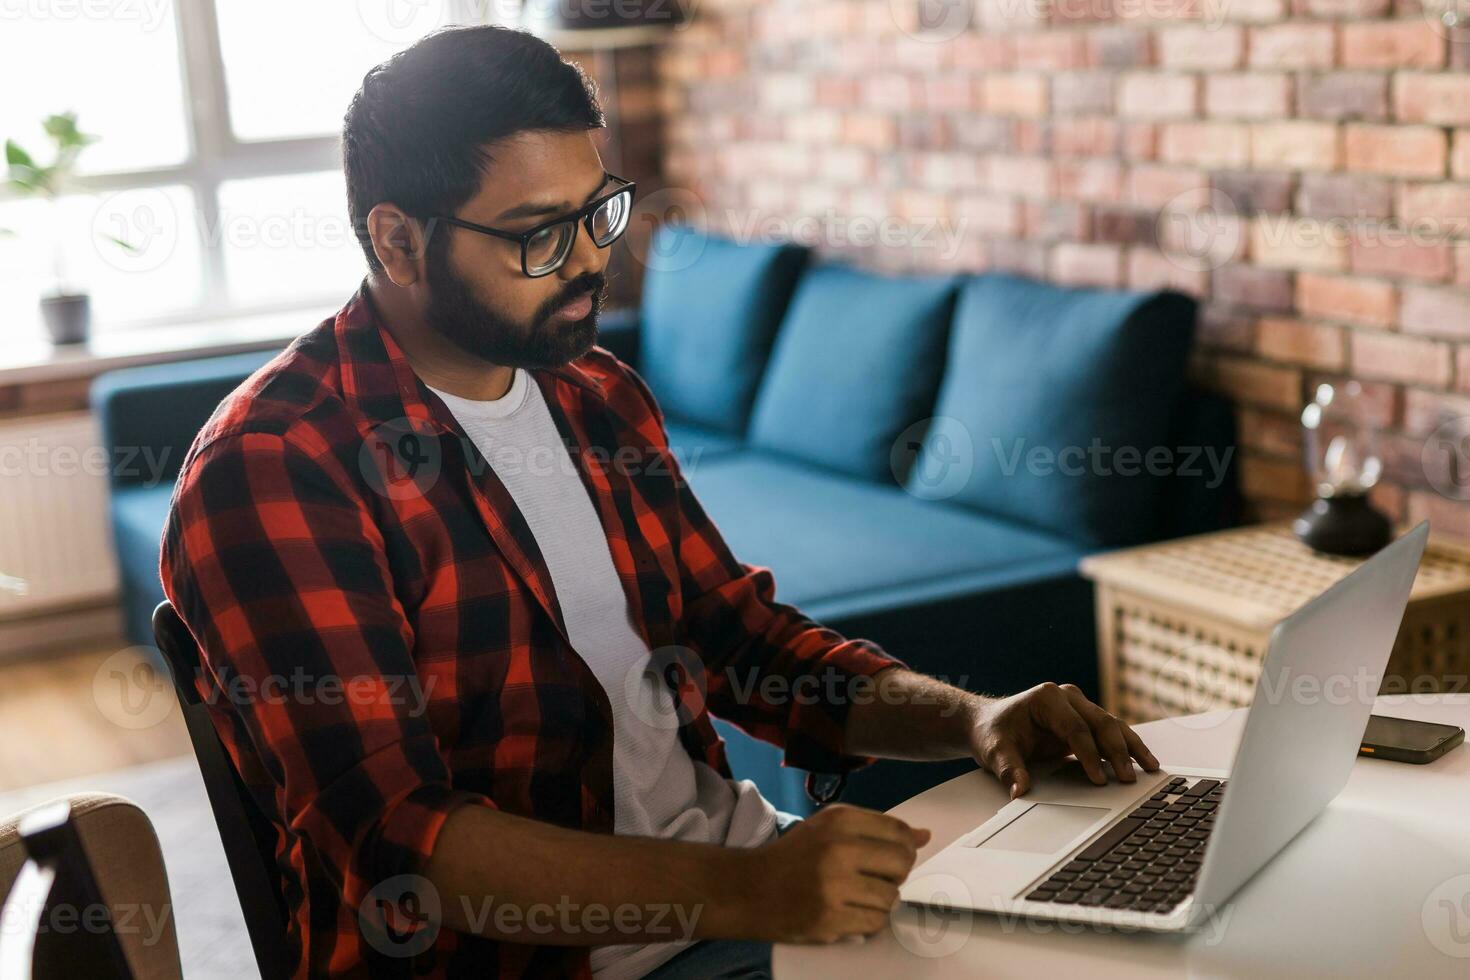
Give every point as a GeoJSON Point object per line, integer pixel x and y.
{"type": "Point", "coordinates": [479, 297]}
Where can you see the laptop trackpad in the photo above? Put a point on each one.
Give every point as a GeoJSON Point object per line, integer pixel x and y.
{"type": "Point", "coordinates": [1045, 828]}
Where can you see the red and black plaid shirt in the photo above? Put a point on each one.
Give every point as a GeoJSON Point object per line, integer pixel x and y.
{"type": "Point", "coordinates": [336, 544]}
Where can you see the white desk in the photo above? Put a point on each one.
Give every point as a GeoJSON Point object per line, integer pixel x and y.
{"type": "Point", "coordinates": [1377, 886]}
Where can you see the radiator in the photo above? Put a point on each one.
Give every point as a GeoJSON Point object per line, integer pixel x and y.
{"type": "Point", "coordinates": [54, 532]}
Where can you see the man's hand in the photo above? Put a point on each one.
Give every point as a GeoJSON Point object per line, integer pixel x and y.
{"type": "Point", "coordinates": [1047, 722]}
{"type": "Point", "coordinates": [835, 874]}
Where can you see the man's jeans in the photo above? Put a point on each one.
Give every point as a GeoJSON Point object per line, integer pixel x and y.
{"type": "Point", "coordinates": [725, 959]}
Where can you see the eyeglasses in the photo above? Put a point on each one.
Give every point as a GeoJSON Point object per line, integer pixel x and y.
{"type": "Point", "coordinates": [545, 248]}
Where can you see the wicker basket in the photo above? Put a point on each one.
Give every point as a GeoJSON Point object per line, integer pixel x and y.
{"type": "Point", "coordinates": [1183, 625]}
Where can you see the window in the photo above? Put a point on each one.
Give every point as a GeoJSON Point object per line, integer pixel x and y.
{"type": "Point", "coordinates": [217, 160]}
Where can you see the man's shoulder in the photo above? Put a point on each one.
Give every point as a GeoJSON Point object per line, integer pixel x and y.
{"type": "Point", "coordinates": [299, 389]}
{"type": "Point", "coordinates": [625, 391]}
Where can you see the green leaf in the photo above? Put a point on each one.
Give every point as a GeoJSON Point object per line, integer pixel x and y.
{"type": "Point", "coordinates": [6, 233]}
{"type": "Point", "coordinates": [62, 128]}
{"type": "Point", "coordinates": [126, 246]}
{"type": "Point", "coordinates": [17, 157]}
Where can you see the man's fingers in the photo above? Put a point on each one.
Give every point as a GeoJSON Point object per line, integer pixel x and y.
{"type": "Point", "coordinates": [883, 859]}
{"type": "Point", "coordinates": [1007, 765]}
{"type": "Point", "coordinates": [1105, 726]}
{"type": "Point", "coordinates": [856, 821]}
{"type": "Point", "coordinates": [1060, 717]}
{"type": "Point", "coordinates": [1140, 751]}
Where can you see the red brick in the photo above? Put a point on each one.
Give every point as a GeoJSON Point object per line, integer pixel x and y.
{"type": "Point", "coordinates": [1200, 48]}
{"type": "Point", "coordinates": [1266, 480]}
{"type": "Point", "coordinates": [1425, 411]}
{"type": "Point", "coordinates": [1285, 242]}
{"type": "Point", "coordinates": [1056, 220]}
{"type": "Point", "coordinates": [1344, 196]}
{"type": "Point", "coordinates": [1297, 342]}
{"type": "Point", "coordinates": [1296, 45]}
{"type": "Point", "coordinates": [1441, 311]}
{"type": "Point", "coordinates": [1270, 432]}
{"type": "Point", "coordinates": [1084, 136]}
{"type": "Point", "coordinates": [1252, 287]}
{"type": "Point", "coordinates": [1225, 330]}
{"type": "Point", "coordinates": [1380, 251]}
{"type": "Point", "coordinates": [1348, 9]}
{"type": "Point", "coordinates": [1119, 47]}
{"type": "Point", "coordinates": [1014, 95]}
{"type": "Point", "coordinates": [1398, 151]}
{"type": "Point", "coordinates": [1050, 51]}
{"type": "Point", "coordinates": [1440, 99]}
{"type": "Point", "coordinates": [1294, 146]}
{"type": "Point", "coordinates": [1248, 96]}
{"type": "Point", "coordinates": [1079, 264]}
{"type": "Point", "coordinates": [1391, 357]}
{"type": "Point", "coordinates": [1205, 144]}
{"type": "Point", "coordinates": [1342, 96]}
{"type": "Point", "coordinates": [1026, 176]}
{"type": "Point", "coordinates": [1081, 93]}
{"type": "Point", "coordinates": [1151, 186]}
{"type": "Point", "coordinates": [1392, 44]}
{"type": "Point", "coordinates": [1254, 383]}
{"type": "Point", "coordinates": [974, 51]}
{"type": "Point", "coordinates": [1256, 192]}
{"type": "Point", "coordinates": [1125, 226]}
{"type": "Point", "coordinates": [1145, 95]}
{"type": "Point", "coordinates": [1032, 137]}
{"type": "Point", "coordinates": [1435, 210]}
{"type": "Point", "coordinates": [1088, 180]}
{"type": "Point", "coordinates": [984, 214]}
{"type": "Point", "coordinates": [1448, 516]}
{"type": "Point", "coordinates": [1462, 368]}
{"type": "Point", "coordinates": [1460, 157]}
{"type": "Point", "coordinates": [1369, 302]}
{"type": "Point", "coordinates": [1140, 141]}
{"type": "Point", "coordinates": [1149, 269]}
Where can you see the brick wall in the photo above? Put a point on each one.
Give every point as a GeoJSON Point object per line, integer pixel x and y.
{"type": "Point", "coordinates": [1302, 166]}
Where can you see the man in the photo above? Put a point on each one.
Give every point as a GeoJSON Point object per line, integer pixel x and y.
{"type": "Point", "coordinates": [455, 526]}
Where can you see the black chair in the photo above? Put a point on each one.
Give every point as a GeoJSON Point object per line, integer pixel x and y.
{"type": "Point", "coordinates": [247, 835]}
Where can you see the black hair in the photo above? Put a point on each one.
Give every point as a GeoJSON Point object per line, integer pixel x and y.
{"type": "Point", "coordinates": [417, 130]}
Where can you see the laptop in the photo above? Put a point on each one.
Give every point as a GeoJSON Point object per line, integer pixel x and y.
{"type": "Point", "coordinates": [1165, 853]}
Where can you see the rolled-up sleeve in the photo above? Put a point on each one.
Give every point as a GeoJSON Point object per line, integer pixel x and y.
{"type": "Point", "coordinates": [273, 560]}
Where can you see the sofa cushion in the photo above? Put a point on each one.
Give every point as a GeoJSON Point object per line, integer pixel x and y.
{"type": "Point", "coordinates": [1052, 402]}
{"type": "Point", "coordinates": [695, 445]}
{"type": "Point", "coordinates": [710, 309]}
{"type": "Point", "coordinates": [857, 361]}
{"type": "Point", "coordinates": [838, 546]}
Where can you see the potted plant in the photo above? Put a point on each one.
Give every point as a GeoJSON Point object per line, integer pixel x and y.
{"type": "Point", "coordinates": [65, 311]}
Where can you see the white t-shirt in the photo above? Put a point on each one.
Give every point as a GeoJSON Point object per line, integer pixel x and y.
{"type": "Point", "coordinates": [659, 789]}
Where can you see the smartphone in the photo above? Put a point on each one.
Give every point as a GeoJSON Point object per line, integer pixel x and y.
{"type": "Point", "coordinates": [1403, 740]}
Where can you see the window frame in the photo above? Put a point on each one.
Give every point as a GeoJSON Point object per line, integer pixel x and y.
{"type": "Point", "coordinates": [215, 156]}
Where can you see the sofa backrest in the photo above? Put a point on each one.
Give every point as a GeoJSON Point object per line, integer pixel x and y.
{"type": "Point", "coordinates": [857, 361]}
{"type": "Point", "coordinates": [1056, 407]}
{"type": "Point", "coordinates": [710, 311]}
{"type": "Point", "coordinates": [149, 416]}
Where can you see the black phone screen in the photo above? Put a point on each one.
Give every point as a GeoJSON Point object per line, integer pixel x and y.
{"type": "Point", "coordinates": [1403, 733]}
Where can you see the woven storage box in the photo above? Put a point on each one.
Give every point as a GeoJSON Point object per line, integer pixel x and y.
{"type": "Point", "coordinates": [1183, 625]}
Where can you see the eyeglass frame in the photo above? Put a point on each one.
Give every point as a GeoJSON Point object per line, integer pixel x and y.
{"type": "Point", "coordinates": [579, 217]}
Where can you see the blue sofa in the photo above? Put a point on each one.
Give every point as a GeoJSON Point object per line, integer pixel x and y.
{"type": "Point", "coordinates": [922, 461]}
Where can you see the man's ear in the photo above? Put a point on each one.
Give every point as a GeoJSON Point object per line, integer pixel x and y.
{"type": "Point", "coordinates": [399, 241]}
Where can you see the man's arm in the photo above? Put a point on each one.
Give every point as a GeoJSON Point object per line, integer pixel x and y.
{"type": "Point", "coordinates": [910, 716]}
{"type": "Point", "coordinates": [507, 877]}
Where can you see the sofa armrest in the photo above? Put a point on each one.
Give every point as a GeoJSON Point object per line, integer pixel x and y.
{"type": "Point", "coordinates": [617, 330]}
{"type": "Point", "coordinates": [149, 416]}
{"type": "Point", "coordinates": [1203, 494]}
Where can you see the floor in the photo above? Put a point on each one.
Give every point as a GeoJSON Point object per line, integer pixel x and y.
{"type": "Point", "coordinates": [105, 720]}
{"type": "Point", "coordinates": [94, 711]}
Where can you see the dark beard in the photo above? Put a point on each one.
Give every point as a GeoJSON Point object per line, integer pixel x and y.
{"type": "Point", "coordinates": [476, 329]}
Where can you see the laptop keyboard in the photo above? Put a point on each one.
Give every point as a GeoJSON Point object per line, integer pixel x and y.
{"type": "Point", "coordinates": [1148, 861]}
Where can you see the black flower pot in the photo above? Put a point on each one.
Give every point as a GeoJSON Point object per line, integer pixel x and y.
{"type": "Point", "coordinates": [1346, 524]}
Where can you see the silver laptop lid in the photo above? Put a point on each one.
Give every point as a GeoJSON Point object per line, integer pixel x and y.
{"type": "Point", "coordinates": [1322, 671]}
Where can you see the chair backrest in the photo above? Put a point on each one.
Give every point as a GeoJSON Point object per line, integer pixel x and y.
{"type": "Point", "coordinates": [247, 836]}
{"type": "Point", "coordinates": [91, 898]}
